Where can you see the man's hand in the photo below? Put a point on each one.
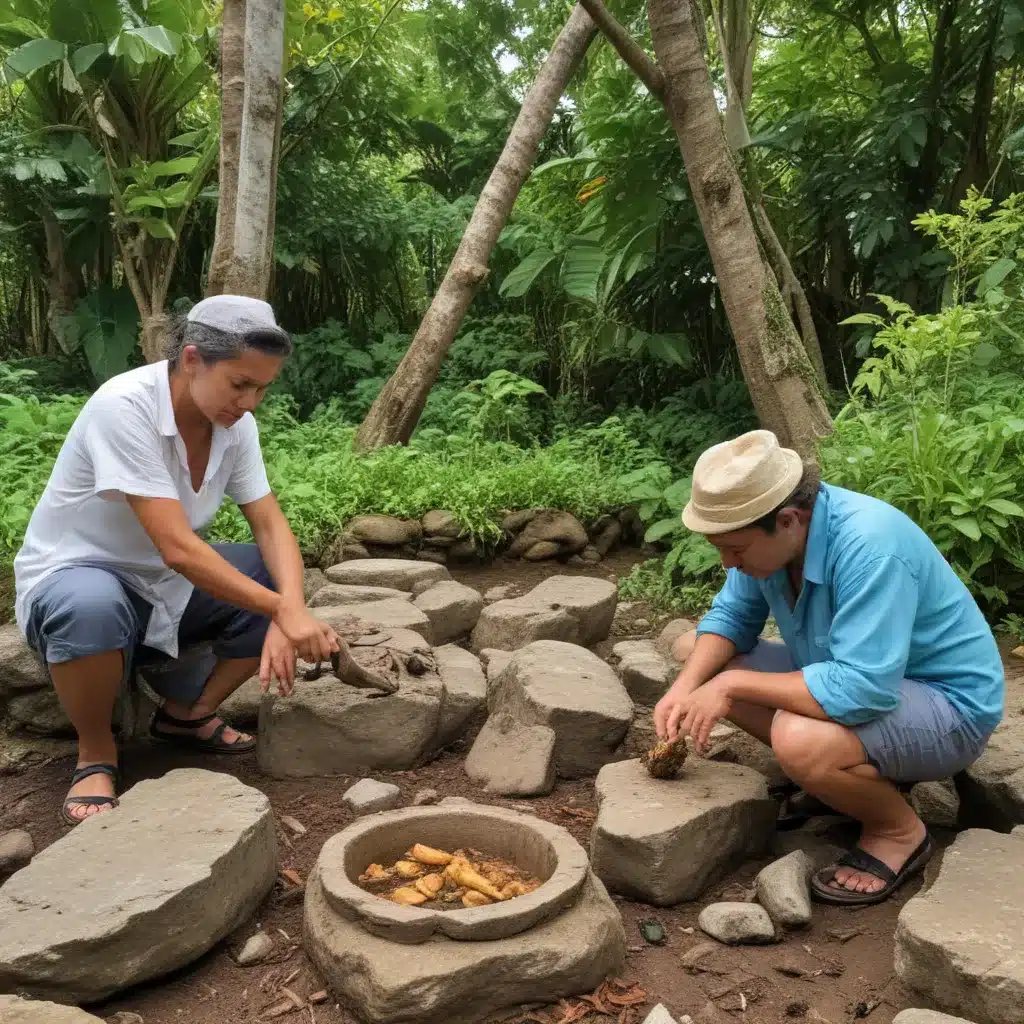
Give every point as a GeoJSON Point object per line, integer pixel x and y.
{"type": "Point", "coordinates": [278, 661]}
{"type": "Point", "coordinates": [311, 637]}
{"type": "Point", "coordinates": [691, 712]}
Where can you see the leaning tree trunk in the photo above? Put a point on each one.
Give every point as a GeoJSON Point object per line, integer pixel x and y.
{"type": "Point", "coordinates": [252, 85]}
{"type": "Point", "coordinates": [394, 414]}
{"type": "Point", "coordinates": [778, 373]}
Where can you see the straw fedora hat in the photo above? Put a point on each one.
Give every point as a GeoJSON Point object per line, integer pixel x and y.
{"type": "Point", "coordinates": [739, 481]}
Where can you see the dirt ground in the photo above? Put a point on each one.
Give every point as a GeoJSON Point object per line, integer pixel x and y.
{"type": "Point", "coordinates": [846, 956]}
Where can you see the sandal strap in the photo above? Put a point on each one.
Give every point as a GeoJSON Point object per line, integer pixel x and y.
{"type": "Point", "coordinates": [183, 723]}
{"type": "Point", "coordinates": [91, 801]}
{"type": "Point", "coordinates": [861, 860]}
{"type": "Point", "coordinates": [100, 768]}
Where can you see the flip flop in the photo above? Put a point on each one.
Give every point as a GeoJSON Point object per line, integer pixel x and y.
{"type": "Point", "coordinates": [212, 744]}
{"type": "Point", "coordinates": [101, 768]}
{"type": "Point", "coordinates": [861, 860]}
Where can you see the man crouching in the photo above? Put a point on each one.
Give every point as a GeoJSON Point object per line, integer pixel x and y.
{"type": "Point", "coordinates": [887, 672]}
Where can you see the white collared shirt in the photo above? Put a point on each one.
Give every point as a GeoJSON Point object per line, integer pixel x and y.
{"type": "Point", "coordinates": [125, 441]}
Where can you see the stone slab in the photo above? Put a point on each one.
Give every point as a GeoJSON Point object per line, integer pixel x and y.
{"type": "Point", "coordinates": [518, 621]}
{"type": "Point", "coordinates": [348, 593]}
{"type": "Point", "coordinates": [185, 859]}
{"type": "Point", "coordinates": [464, 702]}
{"type": "Point", "coordinates": [643, 671]}
{"type": "Point", "coordinates": [19, 667]}
{"type": "Point", "coordinates": [589, 599]}
{"type": "Point", "coordinates": [453, 609]}
{"type": "Point", "coordinates": [992, 789]}
{"type": "Point", "coordinates": [960, 943]}
{"type": "Point", "coordinates": [16, 850]}
{"type": "Point", "coordinates": [927, 1017]}
{"type": "Point", "coordinates": [369, 795]}
{"type": "Point", "coordinates": [513, 759]}
{"type": "Point", "coordinates": [937, 803]}
{"type": "Point", "coordinates": [664, 841]}
{"type": "Point", "coordinates": [461, 982]}
{"type": "Point", "coordinates": [400, 573]}
{"type": "Point", "coordinates": [737, 923]}
{"type": "Point", "coordinates": [572, 691]}
{"type": "Point", "coordinates": [388, 614]}
{"type": "Point", "coordinates": [14, 1010]}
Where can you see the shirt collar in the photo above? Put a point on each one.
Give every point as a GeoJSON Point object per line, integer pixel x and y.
{"type": "Point", "coordinates": [817, 539]}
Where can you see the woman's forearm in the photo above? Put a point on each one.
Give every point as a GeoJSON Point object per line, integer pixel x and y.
{"type": "Point", "coordinates": [201, 564]}
{"type": "Point", "coordinates": [282, 557]}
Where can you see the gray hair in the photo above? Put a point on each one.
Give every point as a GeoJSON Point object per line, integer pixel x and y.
{"type": "Point", "coordinates": [215, 345]}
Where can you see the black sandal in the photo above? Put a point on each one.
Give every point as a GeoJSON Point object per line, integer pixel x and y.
{"type": "Point", "coordinates": [860, 860]}
{"type": "Point", "coordinates": [101, 768]}
{"type": "Point", "coordinates": [213, 744]}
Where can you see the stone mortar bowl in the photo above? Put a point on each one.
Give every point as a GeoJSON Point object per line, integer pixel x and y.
{"type": "Point", "coordinates": [547, 851]}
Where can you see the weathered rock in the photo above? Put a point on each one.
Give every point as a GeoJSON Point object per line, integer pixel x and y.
{"type": "Point", "coordinates": [542, 551]}
{"type": "Point", "coordinates": [821, 852]}
{"type": "Point", "coordinates": [670, 634]}
{"type": "Point", "coordinates": [552, 526]}
{"type": "Point", "coordinates": [571, 690]}
{"type": "Point", "coordinates": [643, 671]}
{"type": "Point", "coordinates": [20, 669]}
{"type": "Point", "coordinates": [256, 949]}
{"type": "Point", "coordinates": [14, 1010]}
{"type": "Point", "coordinates": [242, 708]}
{"type": "Point", "coordinates": [352, 550]}
{"type": "Point", "coordinates": [959, 943]}
{"type": "Point", "coordinates": [441, 524]}
{"type": "Point", "coordinates": [665, 841]}
{"type": "Point", "coordinates": [513, 759]}
{"type": "Point", "coordinates": [608, 537]}
{"type": "Point", "coordinates": [327, 728]}
{"type": "Point", "coordinates": [936, 803]}
{"type": "Point", "coordinates": [992, 789]}
{"type": "Point", "coordinates": [453, 609]}
{"type": "Point", "coordinates": [575, 609]}
{"type": "Point", "coordinates": [312, 581]}
{"type": "Point", "coordinates": [20, 752]}
{"type": "Point", "coordinates": [464, 550]}
{"type": "Point", "coordinates": [783, 889]}
{"type": "Point", "coordinates": [434, 555]}
{"type": "Point", "coordinates": [39, 712]}
{"type": "Point", "coordinates": [927, 1017]}
{"type": "Point", "coordinates": [515, 521]}
{"type": "Point", "coordinates": [737, 923]}
{"type": "Point", "coordinates": [368, 796]}
{"type": "Point", "coordinates": [171, 886]}
{"type": "Point", "coordinates": [453, 982]}
{"type": "Point", "coordinates": [425, 797]}
{"type": "Point", "coordinates": [465, 693]}
{"type": "Point", "coordinates": [742, 748]}
{"type": "Point", "coordinates": [495, 661]}
{"type": "Point", "coordinates": [16, 850]}
{"type": "Point", "coordinates": [384, 530]}
{"type": "Point", "coordinates": [660, 1014]}
{"type": "Point", "coordinates": [399, 573]}
{"type": "Point", "coordinates": [335, 594]}
{"type": "Point", "coordinates": [388, 615]}
{"type": "Point", "coordinates": [499, 593]}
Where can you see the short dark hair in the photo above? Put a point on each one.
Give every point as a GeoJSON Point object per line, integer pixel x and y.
{"type": "Point", "coordinates": [804, 497]}
{"type": "Point", "coordinates": [215, 345]}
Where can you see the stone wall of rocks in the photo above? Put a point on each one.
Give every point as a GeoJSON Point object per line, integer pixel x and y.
{"type": "Point", "coordinates": [533, 534]}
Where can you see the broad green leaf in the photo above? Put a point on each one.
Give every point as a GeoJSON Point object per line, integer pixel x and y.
{"type": "Point", "coordinates": [968, 526]}
{"type": "Point", "coordinates": [995, 275]}
{"type": "Point", "coordinates": [33, 55]}
{"type": "Point", "coordinates": [909, 151]}
{"type": "Point", "coordinates": [1005, 506]}
{"type": "Point", "coordinates": [85, 56]}
{"type": "Point", "coordinates": [188, 139]}
{"type": "Point", "coordinates": [562, 161]}
{"type": "Point", "coordinates": [670, 348]}
{"type": "Point", "coordinates": [161, 39]}
{"type": "Point", "coordinates": [662, 528]}
{"type": "Point", "coordinates": [106, 327]}
{"type": "Point", "coordinates": [984, 354]}
{"type": "Point", "coordinates": [166, 168]}
{"type": "Point", "coordinates": [520, 280]}
{"type": "Point", "coordinates": [157, 227]}
{"type": "Point", "coordinates": [581, 271]}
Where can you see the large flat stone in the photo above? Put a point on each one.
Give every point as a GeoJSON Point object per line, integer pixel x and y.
{"type": "Point", "coordinates": [513, 759]}
{"type": "Point", "coordinates": [960, 943]}
{"type": "Point", "coordinates": [345, 593]}
{"type": "Point", "coordinates": [643, 671]}
{"type": "Point", "coordinates": [664, 841]}
{"type": "Point", "coordinates": [464, 703]}
{"type": "Point", "coordinates": [400, 573]}
{"type": "Point", "coordinates": [146, 889]}
{"type": "Point", "coordinates": [14, 1010]}
{"type": "Point", "coordinates": [20, 669]}
{"type": "Point", "coordinates": [454, 982]}
{"type": "Point", "coordinates": [453, 609]}
{"type": "Point", "coordinates": [572, 691]}
{"type": "Point", "coordinates": [589, 599]}
{"type": "Point", "coordinates": [328, 728]}
{"type": "Point", "coordinates": [389, 614]}
{"type": "Point", "coordinates": [992, 789]}
{"type": "Point", "coordinates": [927, 1017]}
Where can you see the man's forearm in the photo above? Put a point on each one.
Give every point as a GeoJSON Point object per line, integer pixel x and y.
{"type": "Point", "coordinates": [785, 690]}
{"type": "Point", "coordinates": [710, 654]}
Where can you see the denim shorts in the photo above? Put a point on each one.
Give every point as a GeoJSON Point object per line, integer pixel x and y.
{"type": "Point", "coordinates": [82, 610]}
{"type": "Point", "coordinates": [925, 739]}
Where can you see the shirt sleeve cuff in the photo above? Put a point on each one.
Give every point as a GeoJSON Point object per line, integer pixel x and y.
{"type": "Point", "coordinates": [816, 678]}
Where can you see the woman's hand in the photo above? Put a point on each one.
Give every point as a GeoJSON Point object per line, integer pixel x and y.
{"type": "Point", "coordinates": [278, 661]}
{"type": "Point", "coordinates": [693, 713]}
{"type": "Point", "coordinates": [311, 637]}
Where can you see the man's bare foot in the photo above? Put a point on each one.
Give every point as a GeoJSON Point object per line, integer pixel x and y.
{"type": "Point", "coordinates": [893, 851]}
{"type": "Point", "coordinates": [190, 714]}
{"type": "Point", "coordinates": [100, 784]}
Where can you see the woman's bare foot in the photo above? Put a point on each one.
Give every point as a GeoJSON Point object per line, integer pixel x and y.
{"type": "Point", "coordinates": [893, 851]}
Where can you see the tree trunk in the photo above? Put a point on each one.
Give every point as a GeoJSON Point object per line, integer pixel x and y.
{"type": "Point", "coordinates": [397, 409]}
{"type": "Point", "coordinates": [153, 335]}
{"type": "Point", "coordinates": [243, 252]}
{"type": "Point", "coordinates": [775, 365]}
{"type": "Point", "coordinates": [62, 286]}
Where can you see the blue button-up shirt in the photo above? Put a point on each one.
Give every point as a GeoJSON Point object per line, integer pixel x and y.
{"type": "Point", "coordinates": [878, 604]}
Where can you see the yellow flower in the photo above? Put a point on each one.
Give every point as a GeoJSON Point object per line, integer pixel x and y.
{"type": "Point", "coordinates": [333, 15]}
{"type": "Point", "coordinates": [309, 10]}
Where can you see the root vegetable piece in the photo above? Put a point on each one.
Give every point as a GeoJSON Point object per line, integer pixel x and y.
{"type": "Point", "coordinates": [375, 873]}
{"type": "Point", "coordinates": [430, 885]}
{"type": "Point", "coordinates": [475, 899]}
{"type": "Point", "coordinates": [461, 872]}
{"type": "Point", "coordinates": [512, 890]}
{"type": "Point", "coordinates": [665, 759]}
{"type": "Point", "coordinates": [428, 855]}
{"type": "Point", "coordinates": [408, 897]}
{"type": "Point", "coordinates": [409, 869]}
{"type": "Point", "coordinates": [499, 879]}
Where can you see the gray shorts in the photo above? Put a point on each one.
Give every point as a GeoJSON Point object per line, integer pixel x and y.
{"type": "Point", "coordinates": [82, 610]}
{"type": "Point", "coordinates": [925, 739]}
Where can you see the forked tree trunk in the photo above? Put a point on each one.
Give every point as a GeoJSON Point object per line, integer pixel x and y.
{"type": "Point", "coordinates": [393, 416]}
{"type": "Point", "coordinates": [778, 373]}
{"type": "Point", "coordinates": [252, 85]}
